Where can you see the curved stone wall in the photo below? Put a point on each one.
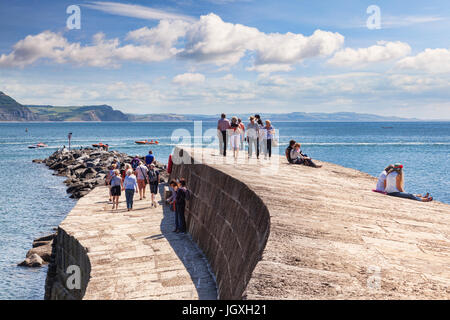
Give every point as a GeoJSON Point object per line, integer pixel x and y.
{"type": "Point", "coordinates": [229, 222]}
{"type": "Point", "coordinates": [67, 251]}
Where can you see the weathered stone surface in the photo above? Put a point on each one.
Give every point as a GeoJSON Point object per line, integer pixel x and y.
{"type": "Point", "coordinates": [330, 237]}
{"type": "Point", "coordinates": [126, 255]}
{"type": "Point", "coordinates": [44, 251]}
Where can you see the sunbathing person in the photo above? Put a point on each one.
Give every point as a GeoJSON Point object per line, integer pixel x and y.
{"type": "Point", "coordinates": [299, 158]}
{"type": "Point", "coordinates": [395, 183]}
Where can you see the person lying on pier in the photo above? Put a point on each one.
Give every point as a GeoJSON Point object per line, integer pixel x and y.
{"type": "Point", "coordinates": [299, 158]}
{"type": "Point", "coordinates": [395, 185]}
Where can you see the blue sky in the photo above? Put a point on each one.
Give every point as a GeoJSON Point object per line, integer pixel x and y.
{"type": "Point", "coordinates": [230, 55]}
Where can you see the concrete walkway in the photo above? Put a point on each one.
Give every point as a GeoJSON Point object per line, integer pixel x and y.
{"type": "Point", "coordinates": [135, 255]}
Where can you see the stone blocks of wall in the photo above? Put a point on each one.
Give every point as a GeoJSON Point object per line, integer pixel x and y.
{"type": "Point", "coordinates": [67, 251]}
{"type": "Point", "coordinates": [228, 221]}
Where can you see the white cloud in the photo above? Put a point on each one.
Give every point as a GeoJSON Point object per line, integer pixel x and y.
{"type": "Point", "coordinates": [215, 41]}
{"type": "Point", "coordinates": [136, 11]}
{"type": "Point", "coordinates": [382, 52]}
{"type": "Point", "coordinates": [188, 78]}
{"type": "Point", "coordinates": [209, 40]}
{"type": "Point", "coordinates": [430, 60]}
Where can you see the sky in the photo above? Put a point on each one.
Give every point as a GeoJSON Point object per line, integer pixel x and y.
{"type": "Point", "coordinates": [390, 58]}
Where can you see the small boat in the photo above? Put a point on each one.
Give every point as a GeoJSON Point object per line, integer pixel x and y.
{"type": "Point", "coordinates": [99, 145]}
{"type": "Point", "coordinates": [39, 145]}
{"type": "Point", "coordinates": [147, 142]}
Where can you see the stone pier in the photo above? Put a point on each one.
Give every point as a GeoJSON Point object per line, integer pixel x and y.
{"type": "Point", "coordinates": [268, 230]}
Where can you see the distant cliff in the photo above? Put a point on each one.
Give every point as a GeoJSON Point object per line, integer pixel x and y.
{"type": "Point", "coordinates": [85, 113]}
{"type": "Point", "coordinates": [11, 110]}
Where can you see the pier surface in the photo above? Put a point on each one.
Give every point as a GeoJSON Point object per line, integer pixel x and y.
{"type": "Point", "coordinates": [270, 230]}
{"type": "Point", "coordinates": [135, 255]}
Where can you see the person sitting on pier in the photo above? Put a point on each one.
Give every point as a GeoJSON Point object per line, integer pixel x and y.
{"type": "Point", "coordinates": [395, 185]}
{"type": "Point", "coordinates": [381, 184]}
{"type": "Point", "coordinates": [299, 158]}
{"type": "Point", "coordinates": [288, 151]}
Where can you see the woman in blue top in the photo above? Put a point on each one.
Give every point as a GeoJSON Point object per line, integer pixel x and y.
{"type": "Point", "coordinates": [270, 135]}
{"type": "Point", "coordinates": [130, 186]}
{"type": "Point", "coordinates": [116, 182]}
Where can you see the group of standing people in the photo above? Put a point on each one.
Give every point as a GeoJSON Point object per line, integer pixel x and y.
{"type": "Point", "coordinates": [133, 179]}
{"type": "Point", "coordinates": [258, 134]}
{"type": "Point", "coordinates": [391, 182]}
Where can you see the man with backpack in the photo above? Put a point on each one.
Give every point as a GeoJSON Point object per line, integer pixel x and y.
{"type": "Point", "coordinates": [153, 179]}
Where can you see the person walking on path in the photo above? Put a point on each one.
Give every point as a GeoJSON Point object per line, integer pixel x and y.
{"type": "Point", "coordinates": [270, 137]}
{"type": "Point", "coordinates": [235, 136]}
{"type": "Point", "coordinates": [142, 179]}
{"type": "Point", "coordinates": [130, 186]}
{"type": "Point", "coordinates": [150, 158]}
{"type": "Point", "coordinates": [153, 178]}
{"type": "Point", "coordinates": [242, 127]}
{"type": "Point", "coordinates": [116, 182]}
{"type": "Point", "coordinates": [262, 139]}
{"type": "Point", "coordinates": [252, 137]}
{"type": "Point", "coordinates": [258, 122]}
{"type": "Point", "coordinates": [222, 126]}
{"type": "Point", "coordinates": [108, 178]}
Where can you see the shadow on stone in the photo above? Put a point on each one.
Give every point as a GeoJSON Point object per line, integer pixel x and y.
{"type": "Point", "coordinates": [188, 252]}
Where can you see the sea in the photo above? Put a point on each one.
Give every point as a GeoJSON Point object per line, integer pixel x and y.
{"type": "Point", "coordinates": [33, 201]}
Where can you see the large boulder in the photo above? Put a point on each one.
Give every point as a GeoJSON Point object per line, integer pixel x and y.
{"type": "Point", "coordinates": [33, 261]}
{"type": "Point", "coordinates": [43, 251]}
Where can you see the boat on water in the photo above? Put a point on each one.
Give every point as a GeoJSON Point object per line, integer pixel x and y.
{"type": "Point", "coordinates": [39, 145]}
{"type": "Point", "coordinates": [99, 145]}
{"type": "Point", "coordinates": [147, 142]}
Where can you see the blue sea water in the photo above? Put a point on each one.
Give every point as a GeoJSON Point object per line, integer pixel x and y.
{"type": "Point", "coordinates": [33, 201]}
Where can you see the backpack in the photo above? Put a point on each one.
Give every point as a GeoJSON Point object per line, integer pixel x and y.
{"type": "Point", "coordinates": [153, 176]}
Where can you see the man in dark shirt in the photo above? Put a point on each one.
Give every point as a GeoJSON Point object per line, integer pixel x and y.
{"type": "Point", "coordinates": [288, 151]}
{"type": "Point", "coordinates": [222, 126]}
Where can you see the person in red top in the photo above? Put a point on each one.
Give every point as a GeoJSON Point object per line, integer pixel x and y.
{"type": "Point", "coordinates": [169, 165]}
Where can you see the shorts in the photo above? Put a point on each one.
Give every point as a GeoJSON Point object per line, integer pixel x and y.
{"type": "Point", "coordinates": [116, 191]}
{"type": "Point", "coordinates": [141, 184]}
{"type": "Point", "coordinates": [154, 188]}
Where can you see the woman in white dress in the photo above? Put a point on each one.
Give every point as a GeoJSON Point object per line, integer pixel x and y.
{"type": "Point", "coordinates": [235, 136]}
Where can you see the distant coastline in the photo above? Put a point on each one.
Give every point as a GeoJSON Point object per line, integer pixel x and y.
{"type": "Point", "coordinates": [13, 111]}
